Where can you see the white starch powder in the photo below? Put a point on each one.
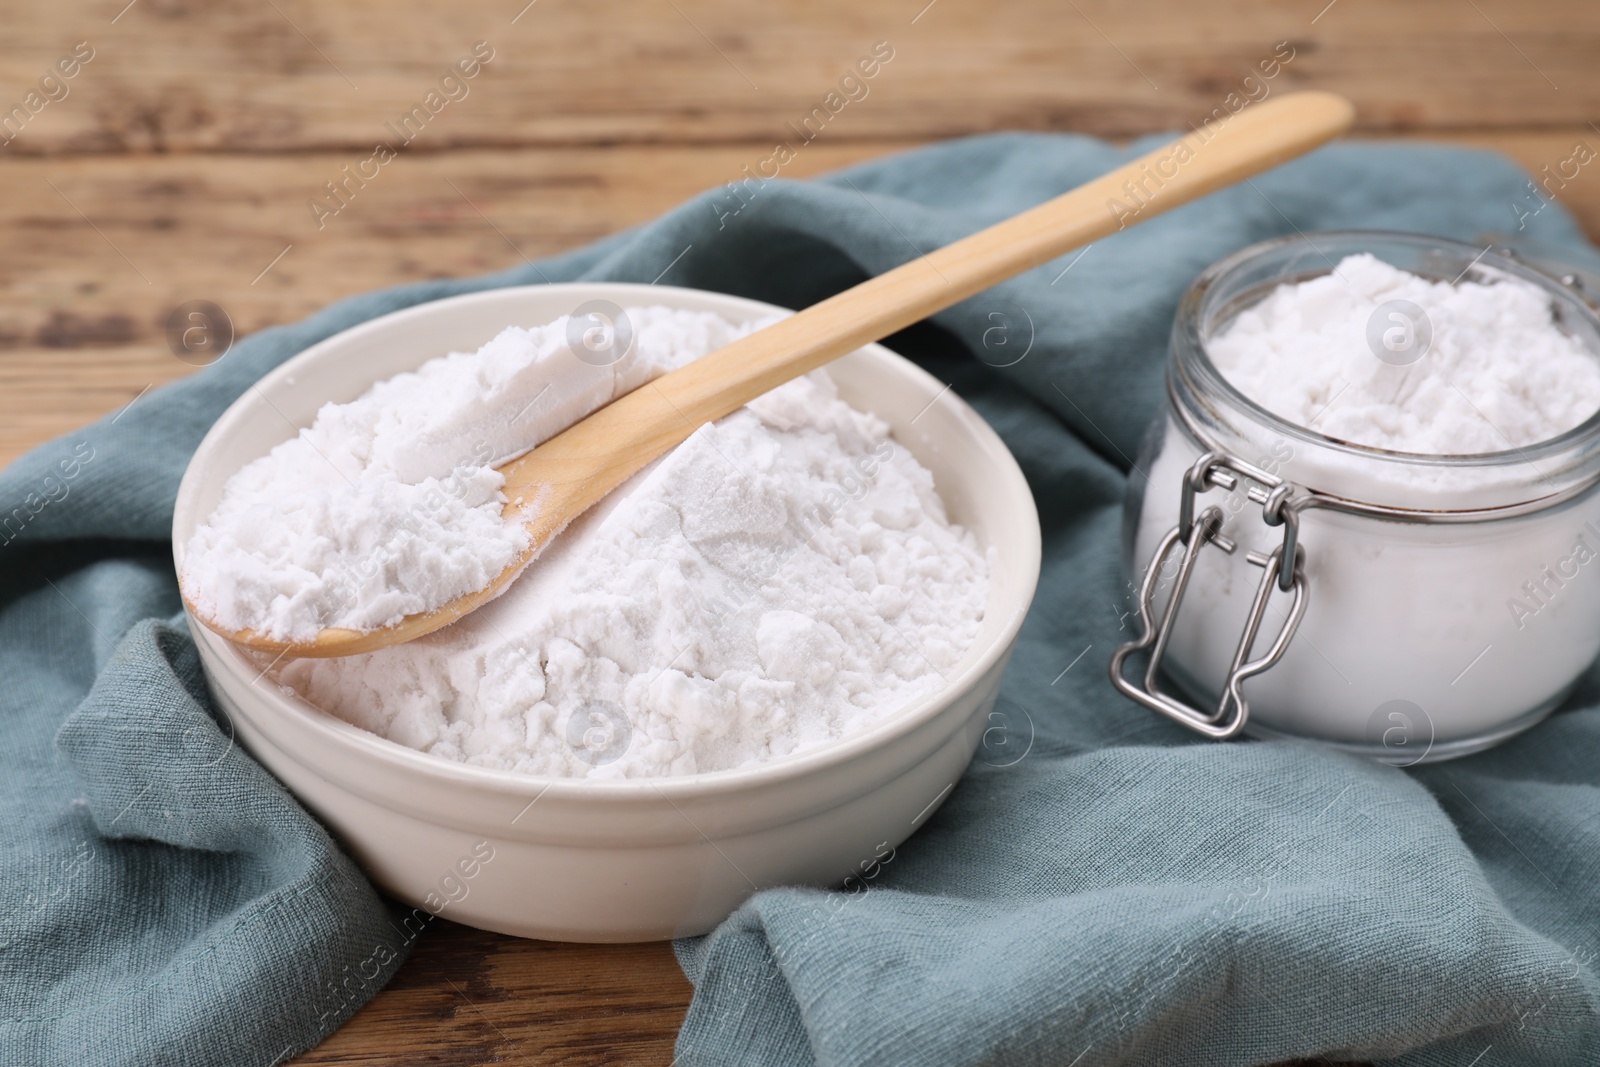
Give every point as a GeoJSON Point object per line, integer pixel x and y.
{"type": "Point", "coordinates": [1498, 374]}
{"type": "Point", "coordinates": [784, 578]}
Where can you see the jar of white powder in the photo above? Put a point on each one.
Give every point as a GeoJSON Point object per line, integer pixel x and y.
{"type": "Point", "coordinates": [1368, 514]}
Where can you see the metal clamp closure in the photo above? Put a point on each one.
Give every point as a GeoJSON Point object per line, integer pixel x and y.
{"type": "Point", "coordinates": [1280, 503]}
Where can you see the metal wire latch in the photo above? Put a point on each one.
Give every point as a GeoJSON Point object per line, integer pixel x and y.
{"type": "Point", "coordinates": [1284, 568]}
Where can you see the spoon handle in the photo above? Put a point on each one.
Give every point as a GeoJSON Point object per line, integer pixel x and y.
{"type": "Point", "coordinates": [578, 467]}
{"type": "Point", "coordinates": [562, 478]}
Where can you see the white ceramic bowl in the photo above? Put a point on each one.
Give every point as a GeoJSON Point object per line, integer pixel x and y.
{"type": "Point", "coordinates": [630, 860]}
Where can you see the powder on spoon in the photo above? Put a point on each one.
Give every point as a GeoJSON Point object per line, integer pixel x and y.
{"type": "Point", "coordinates": [390, 505]}
{"type": "Point", "coordinates": [1498, 374]}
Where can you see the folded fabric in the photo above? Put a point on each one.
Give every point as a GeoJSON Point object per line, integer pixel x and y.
{"type": "Point", "coordinates": [1102, 889]}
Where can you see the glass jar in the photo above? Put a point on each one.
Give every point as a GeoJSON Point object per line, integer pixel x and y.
{"type": "Point", "coordinates": [1406, 607]}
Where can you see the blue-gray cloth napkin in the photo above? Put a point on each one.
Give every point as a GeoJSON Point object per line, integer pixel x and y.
{"type": "Point", "coordinates": [1101, 888]}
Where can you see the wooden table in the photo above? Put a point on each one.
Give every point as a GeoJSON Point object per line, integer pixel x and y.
{"type": "Point", "coordinates": [179, 164]}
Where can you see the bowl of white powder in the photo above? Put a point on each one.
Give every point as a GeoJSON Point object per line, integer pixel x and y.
{"type": "Point", "coordinates": [1379, 457]}
{"type": "Point", "coordinates": [764, 660]}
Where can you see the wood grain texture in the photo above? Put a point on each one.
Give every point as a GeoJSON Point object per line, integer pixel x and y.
{"type": "Point", "coordinates": [180, 162]}
{"type": "Point", "coordinates": [466, 997]}
{"type": "Point", "coordinates": [295, 75]}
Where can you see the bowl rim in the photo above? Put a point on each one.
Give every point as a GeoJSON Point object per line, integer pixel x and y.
{"type": "Point", "coordinates": [366, 745]}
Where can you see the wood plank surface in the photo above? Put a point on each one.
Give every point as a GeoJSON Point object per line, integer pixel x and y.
{"type": "Point", "coordinates": [293, 75]}
{"type": "Point", "coordinates": [466, 997]}
{"type": "Point", "coordinates": [177, 162]}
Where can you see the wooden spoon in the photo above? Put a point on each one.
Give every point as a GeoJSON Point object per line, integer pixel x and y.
{"type": "Point", "coordinates": [570, 472]}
